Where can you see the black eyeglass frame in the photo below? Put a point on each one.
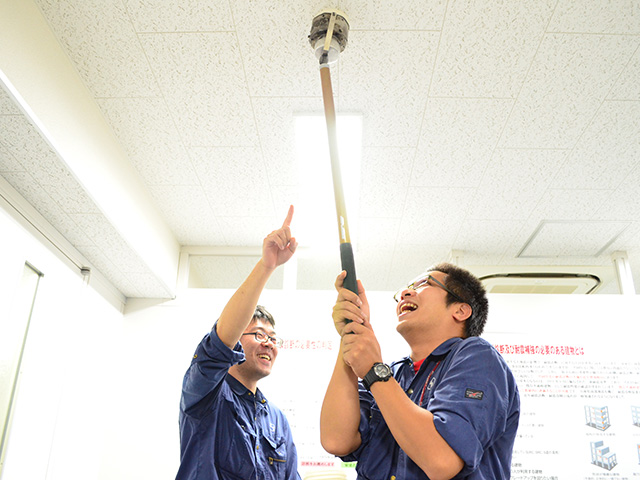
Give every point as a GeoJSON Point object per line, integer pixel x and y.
{"type": "Point", "coordinates": [277, 341]}
{"type": "Point", "coordinates": [423, 282]}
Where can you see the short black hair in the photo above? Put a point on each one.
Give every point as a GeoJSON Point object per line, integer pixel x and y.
{"type": "Point", "coordinates": [470, 289]}
{"type": "Point", "coordinates": [261, 313]}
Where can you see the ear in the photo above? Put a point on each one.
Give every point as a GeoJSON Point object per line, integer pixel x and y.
{"type": "Point", "coordinates": [462, 312]}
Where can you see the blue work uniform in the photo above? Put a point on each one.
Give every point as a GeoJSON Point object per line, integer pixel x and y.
{"type": "Point", "coordinates": [475, 403]}
{"type": "Point", "coordinates": [227, 432]}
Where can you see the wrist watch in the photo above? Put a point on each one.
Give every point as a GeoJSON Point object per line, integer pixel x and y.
{"type": "Point", "coordinates": [380, 372]}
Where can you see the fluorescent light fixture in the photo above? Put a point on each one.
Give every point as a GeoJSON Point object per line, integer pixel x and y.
{"type": "Point", "coordinates": [316, 219]}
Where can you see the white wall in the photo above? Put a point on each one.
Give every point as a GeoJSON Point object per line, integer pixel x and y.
{"type": "Point", "coordinates": [58, 422]}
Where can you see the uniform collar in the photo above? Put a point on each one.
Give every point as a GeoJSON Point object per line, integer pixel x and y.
{"type": "Point", "coordinates": [445, 347]}
{"type": "Point", "coordinates": [240, 390]}
{"type": "Point", "coordinates": [438, 353]}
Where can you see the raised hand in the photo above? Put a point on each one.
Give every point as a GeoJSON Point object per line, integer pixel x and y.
{"type": "Point", "coordinates": [279, 246]}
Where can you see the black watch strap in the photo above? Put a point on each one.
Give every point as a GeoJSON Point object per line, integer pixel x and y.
{"type": "Point", "coordinates": [380, 372]}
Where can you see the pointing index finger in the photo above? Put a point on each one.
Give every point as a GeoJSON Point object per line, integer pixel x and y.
{"type": "Point", "coordinates": [287, 221]}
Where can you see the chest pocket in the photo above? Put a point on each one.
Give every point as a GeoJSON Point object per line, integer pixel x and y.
{"type": "Point", "coordinates": [242, 446]}
{"type": "Point", "coordinates": [275, 453]}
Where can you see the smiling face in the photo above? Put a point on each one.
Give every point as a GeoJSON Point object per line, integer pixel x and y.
{"type": "Point", "coordinates": [423, 310]}
{"type": "Point", "coordinates": [259, 357]}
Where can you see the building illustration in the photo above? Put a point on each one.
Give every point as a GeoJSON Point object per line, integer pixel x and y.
{"type": "Point", "coordinates": [597, 417]}
{"type": "Point", "coordinates": [602, 457]}
{"type": "Point", "coordinates": [635, 415]}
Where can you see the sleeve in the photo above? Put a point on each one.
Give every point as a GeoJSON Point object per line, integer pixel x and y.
{"type": "Point", "coordinates": [209, 365]}
{"type": "Point", "coordinates": [470, 403]}
{"type": "Point", "coordinates": [365, 429]}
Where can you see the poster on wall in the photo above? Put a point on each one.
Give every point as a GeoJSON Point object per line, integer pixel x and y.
{"type": "Point", "coordinates": [575, 359]}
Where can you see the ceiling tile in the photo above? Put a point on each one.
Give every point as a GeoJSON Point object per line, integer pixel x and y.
{"type": "Point", "coordinates": [594, 238]}
{"type": "Point", "coordinates": [33, 154]}
{"type": "Point", "coordinates": [106, 267]}
{"type": "Point", "coordinates": [624, 203]}
{"type": "Point", "coordinates": [147, 132]}
{"type": "Point", "coordinates": [40, 198]}
{"type": "Point", "coordinates": [234, 180]}
{"type": "Point", "coordinates": [387, 16]}
{"type": "Point", "coordinates": [391, 98]}
{"type": "Point", "coordinates": [571, 239]}
{"type": "Point", "coordinates": [568, 80]}
{"type": "Point", "coordinates": [106, 238]}
{"type": "Point", "coordinates": [569, 204]}
{"type": "Point", "coordinates": [179, 15]}
{"type": "Point", "coordinates": [180, 205]}
{"type": "Point", "coordinates": [627, 86]}
{"type": "Point", "coordinates": [186, 77]}
{"type": "Point", "coordinates": [628, 242]}
{"type": "Point", "coordinates": [147, 285]}
{"type": "Point", "coordinates": [483, 237]}
{"type": "Point", "coordinates": [8, 163]}
{"type": "Point", "coordinates": [7, 104]}
{"type": "Point", "coordinates": [457, 140]}
{"type": "Point", "coordinates": [385, 174]}
{"type": "Point", "coordinates": [275, 48]}
{"type": "Point", "coordinates": [25, 145]}
{"type": "Point", "coordinates": [486, 47]}
{"type": "Point", "coordinates": [71, 197]}
{"type": "Point", "coordinates": [585, 16]}
{"type": "Point", "coordinates": [247, 231]}
{"type": "Point", "coordinates": [101, 42]}
{"type": "Point", "coordinates": [437, 219]}
{"type": "Point", "coordinates": [514, 182]}
{"type": "Point", "coordinates": [614, 133]}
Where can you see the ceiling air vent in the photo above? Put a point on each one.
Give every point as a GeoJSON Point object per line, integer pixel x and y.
{"type": "Point", "coordinates": [566, 283]}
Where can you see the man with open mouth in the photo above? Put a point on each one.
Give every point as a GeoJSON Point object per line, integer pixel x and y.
{"type": "Point", "coordinates": [228, 429]}
{"type": "Point", "coordinates": [449, 410]}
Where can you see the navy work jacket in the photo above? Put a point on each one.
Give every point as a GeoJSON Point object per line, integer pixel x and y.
{"type": "Point", "coordinates": [227, 432]}
{"type": "Point", "coordinates": [475, 403]}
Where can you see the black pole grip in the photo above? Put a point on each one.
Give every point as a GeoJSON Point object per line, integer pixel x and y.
{"type": "Point", "coordinates": [349, 264]}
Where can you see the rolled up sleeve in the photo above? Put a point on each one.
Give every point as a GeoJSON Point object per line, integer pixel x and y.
{"type": "Point", "coordinates": [209, 365]}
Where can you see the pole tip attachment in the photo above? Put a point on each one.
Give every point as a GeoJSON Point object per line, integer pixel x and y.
{"type": "Point", "coordinates": [338, 30]}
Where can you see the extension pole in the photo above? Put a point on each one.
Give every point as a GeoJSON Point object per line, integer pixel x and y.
{"type": "Point", "coordinates": [328, 37]}
{"type": "Point", "coordinates": [346, 250]}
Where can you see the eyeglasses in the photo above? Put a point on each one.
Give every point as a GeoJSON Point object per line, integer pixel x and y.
{"type": "Point", "coordinates": [264, 338]}
{"type": "Point", "coordinates": [422, 282]}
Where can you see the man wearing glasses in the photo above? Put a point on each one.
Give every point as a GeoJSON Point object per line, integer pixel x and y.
{"type": "Point", "coordinates": [450, 409]}
{"type": "Point", "coordinates": [228, 429]}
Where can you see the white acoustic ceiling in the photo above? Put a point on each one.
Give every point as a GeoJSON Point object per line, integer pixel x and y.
{"type": "Point", "coordinates": [508, 132]}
